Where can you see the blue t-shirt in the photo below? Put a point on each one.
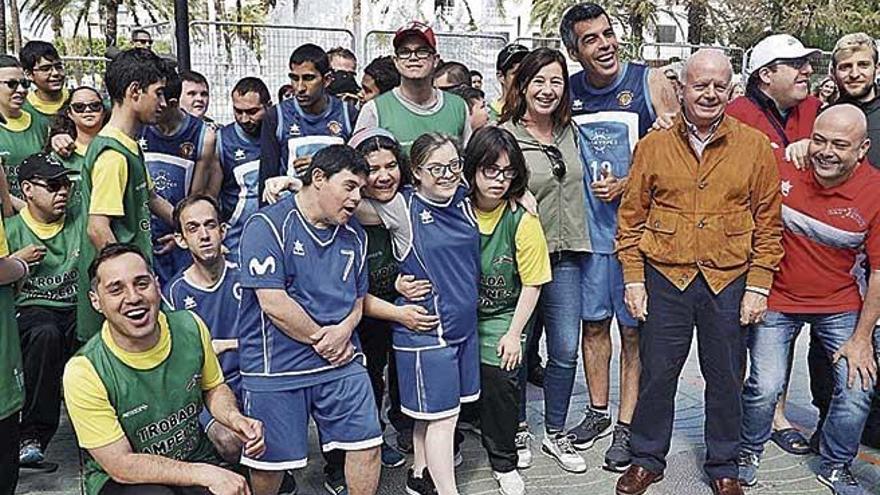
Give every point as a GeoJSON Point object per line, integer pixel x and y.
{"type": "Point", "coordinates": [609, 121]}
{"type": "Point", "coordinates": [239, 156]}
{"type": "Point", "coordinates": [439, 243]}
{"type": "Point", "coordinates": [219, 307]}
{"type": "Point", "coordinates": [323, 270]}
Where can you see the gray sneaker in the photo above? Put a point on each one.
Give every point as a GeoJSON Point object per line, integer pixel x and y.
{"type": "Point", "coordinates": [841, 480]}
{"type": "Point", "coordinates": [619, 455]}
{"type": "Point", "coordinates": [523, 449]}
{"type": "Point", "coordinates": [748, 463]}
{"type": "Point", "coordinates": [594, 426]}
{"type": "Point", "coordinates": [558, 446]}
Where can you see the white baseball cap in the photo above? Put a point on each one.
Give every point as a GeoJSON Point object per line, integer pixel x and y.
{"type": "Point", "coordinates": [777, 47]}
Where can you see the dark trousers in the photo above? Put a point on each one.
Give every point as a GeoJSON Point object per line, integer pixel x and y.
{"type": "Point", "coordinates": [47, 341]}
{"type": "Point", "coordinates": [114, 488]}
{"type": "Point", "coordinates": [665, 340]}
{"type": "Point", "coordinates": [375, 336]}
{"type": "Point", "coordinates": [499, 415]}
{"type": "Point", "coordinates": [9, 454]}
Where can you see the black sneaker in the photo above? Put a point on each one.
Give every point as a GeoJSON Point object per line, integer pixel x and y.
{"type": "Point", "coordinates": [420, 486]}
{"type": "Point", "coordinates": [594, 426]}
{"type": "Point", "coordinates": [288, 484]}
{"type": "Point", "coordinates": [334, 483]}
{"type": "Point", "coordinates": [618, 455]}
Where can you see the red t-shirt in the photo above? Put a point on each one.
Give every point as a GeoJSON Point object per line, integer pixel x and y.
{"type": "Point", "coordinates": [798, 125]}
{"type": "Point", "coordinates": [828, 235]}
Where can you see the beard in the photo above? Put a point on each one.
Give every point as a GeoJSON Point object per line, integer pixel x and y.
{"type": "Point", "coordinates": [859, 93]}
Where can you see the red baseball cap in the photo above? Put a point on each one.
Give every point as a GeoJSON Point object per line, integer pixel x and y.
{"type": "Point", "coordinates": [416, 28]}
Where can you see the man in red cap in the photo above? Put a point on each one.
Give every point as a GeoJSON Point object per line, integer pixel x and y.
{"type": "Point", "coordinates": [416, 107]}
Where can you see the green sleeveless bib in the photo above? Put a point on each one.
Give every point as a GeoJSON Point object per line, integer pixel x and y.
{"type": "Point", "coordinates": [407, 125]}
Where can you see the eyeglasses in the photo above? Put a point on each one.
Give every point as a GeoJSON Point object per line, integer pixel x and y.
{"type": "Point", "coordinates": [143, 41]}
{"type": "Point", "coordinates": [491, 172]}
{"type": "Point", "coordinates": [557, 164]}
{"type": "Point", "coordinates": [419, 53]}
{"type": "Point", "coordinates": [13, 84]}
{"type": "Point", "coordinates": [53, 186]}
{"type": "Point", "coordinates": [92, 106]}
{"type": "Point", "coordinates": [794, 63]}
{"type": "Point", "coordinates": [57, 67]}
{"type": "Point", "coordinates": [438, 170]}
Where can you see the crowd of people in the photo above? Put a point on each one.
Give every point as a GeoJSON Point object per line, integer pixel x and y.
{"type": "Point", "coordinates": [387, 253]}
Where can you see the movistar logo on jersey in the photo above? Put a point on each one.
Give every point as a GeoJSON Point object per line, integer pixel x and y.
{"type": "Point", "coordinates": [263, 267]}
{"type": "Point", "coordinates": [139, 409]}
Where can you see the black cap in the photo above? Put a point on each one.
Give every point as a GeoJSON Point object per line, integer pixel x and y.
{"type": "Point", "coordinates": [509, 55]}
{"type": "Point", "coordinates": [42, 166]}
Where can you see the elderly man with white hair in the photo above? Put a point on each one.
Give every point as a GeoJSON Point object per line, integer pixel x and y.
{"type": "Point", "coordinates": [831, 214]}
{"type": "Point", "coordinates": [699, 239]}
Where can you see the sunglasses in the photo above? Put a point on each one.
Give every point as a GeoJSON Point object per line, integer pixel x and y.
{"type": "Point", "coordinates": [92, 106]}
{"type": "Point", "coordinates": [53, 186]}
{"type": "Point", "coordinates": [795, 63]}
{"type": "Point", "coordinates": [13, 84]}
{"type": "Point", "coordinates": [557, 164]}
{"type": "Point", "coordinates": [419, 54]}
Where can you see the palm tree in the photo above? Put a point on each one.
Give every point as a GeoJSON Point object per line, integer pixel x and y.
{"type": "Point", "coordinates": [15, 24]}
{"type": "Point", "coordinates": [4, 48]}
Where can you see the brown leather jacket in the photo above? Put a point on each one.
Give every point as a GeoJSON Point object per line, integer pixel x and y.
{"type": "Point", "coordinates": [719, 215]}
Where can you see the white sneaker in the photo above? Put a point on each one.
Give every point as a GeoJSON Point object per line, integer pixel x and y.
{"type": "Point", "coordinates": [524, 449]}
{"type": "Point", "coordinates": [510, 483]}
{"type": "Point", "coordinates": [559, 447]}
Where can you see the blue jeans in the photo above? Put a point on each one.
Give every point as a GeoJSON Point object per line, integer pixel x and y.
{"type": "Point", "coordinates": [769, 347]}
{"type": "Point", "coordinates": [560, 308]}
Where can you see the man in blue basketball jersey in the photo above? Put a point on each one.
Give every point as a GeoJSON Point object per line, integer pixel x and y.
{"type": "Point", "coordinates": [613, 105]}
{"type": "Point", "coordinates": [304, 262]}
{"type": "Point", "coordinates": [179, 154]}
{"type": "Point", "coordinates": [238, 150]}
{"type": "Point", "coordinates": [295, 129]}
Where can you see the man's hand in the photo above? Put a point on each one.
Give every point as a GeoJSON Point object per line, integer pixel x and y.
{"type": "Point", "coordinates": [510, 351]}
{"type": "Point", "coordinates": [276, 185]}
{"type": "Point", "coordinates": [416, 318]}
{"type": "Point", "coordinates": [223, 345]}
{"type": "Point", "coordinates": [608, 188]}
{"type": "Point", "coordinates": [63, 145]}
{"type": "Point", "coordinates": [164, 244]}
{"type": "Point", "coordinates": [797, 153]}
{"type": "Point", "coordinates": [664, 121]}
{"type": "Point", "coordinates": [412, 289]}
{"type": "Point", "coordinates": [636, 298]}
{"type": "Point", "coordinates": [250, 432]}
{"type": "Point", "coordinates": [221, 481]}
{"type": "Point", "coordinates": [859, 355]}
{"type": "Point", "coordinates": [752, 308]}
{"type": "Point", "coordinates": [333, 343]}
{"type": "Point", "coordinates": [31, 254]}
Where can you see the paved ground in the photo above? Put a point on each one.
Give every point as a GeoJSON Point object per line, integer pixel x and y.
{"type": "Point", "coordinates": [780, 473]}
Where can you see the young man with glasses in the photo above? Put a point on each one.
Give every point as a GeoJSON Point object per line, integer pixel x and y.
{"type": "Point", "coordinates": [44, 67]}
{"type": "Point", "coordinates": [416, 107]}
{"type": "Point", "coordinates": [295, 129]}
{"type": "Point", "coordinates": [46, 235]}
{"type": "Point", "coordinates": [20, 136]}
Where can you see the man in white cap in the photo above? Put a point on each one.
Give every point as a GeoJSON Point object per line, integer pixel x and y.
{"type": "Point", "coordinates": [778, 103]}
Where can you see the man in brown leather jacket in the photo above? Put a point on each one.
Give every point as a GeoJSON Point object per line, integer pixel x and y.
{"type": "Point", "coordinates": [699, 238]}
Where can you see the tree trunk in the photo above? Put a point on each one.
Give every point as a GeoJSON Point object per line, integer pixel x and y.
{"type": "Point", "coordinates": [696, 16]}
{"type": "Point", "coordinates": [15, 24]}
{"type": "Point", "coordinates": [111, 12]}
{"type": "Point", "coordinates": [4, 48]}
{"type": "Point", "coordinates": [57, 24]}
{"type": "Point", "coordinates": [637, 28]}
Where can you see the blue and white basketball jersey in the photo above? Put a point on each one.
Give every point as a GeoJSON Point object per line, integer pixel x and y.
{"type": "Point", "coordinates": [323, 270]}
{"type": "Point", "coordinates": [609, 121]}
{"type": "Point", "coordinates": [301, 134]}
{"type": "Point", "coordinates": [219, 307]}
{"type": "Point", "coordinates": [445, 249]}
{"type": "Point", "coordinates": [239, 156]}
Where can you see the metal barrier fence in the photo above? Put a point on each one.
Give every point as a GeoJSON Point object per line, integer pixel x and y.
{"type": "Point", "coordinates": [224, 52]}
{"type": "Point", "coordinates": [658, 54]}
{"type": "Point", "coordinates": [85, 71]}
{"type": "Point", "coordinates": [476, 51]}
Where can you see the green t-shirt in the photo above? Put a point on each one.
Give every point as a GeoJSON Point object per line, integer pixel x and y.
{"type": "Point", "coordinates": [43, 111]}
{"type": "Point", "coordinates": [132, 227]}
{"type": "Point", "coordinates": [19, 138]}
{"type": "Point", "coordinates": [381, 263]}
{"type": "Point", "coordinates": [500, 285]}
{"type": "Point", "coordinates": [406, 125]}
{"type": "Point", "coordinates": [11, 375]}
{"type": "Point", "coordinates": [158, 408]}
{"type": "Point", "coordinates": [53, 281]}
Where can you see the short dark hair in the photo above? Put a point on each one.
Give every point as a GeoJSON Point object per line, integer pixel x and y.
{"type": "Point", "coordinates": [334, 159]}
{"type": "Point", "coordinates": [189, 201]}
{"type": "Point", "coordinates": [110, 251]}
{"type": "Point", "coordinates": [470, 94]}
{"type": "Point", "coordinates": [515, 100]}
{"type": "Point", "coordinates": [33, 51]}
{"type": "Point", "coordinates": [135, 65]}
{"type": "Point", "coordinates": [341, 52]}
{"type": "Point", "coordinates": [193, 77]}
{"type": "Point", "coordinates": [575, 14]}
{"type": "Point", "coordinates": [484, 148]}
{"type": "Point", "coordinates": [61, 122]}
{"type": "Point", "coordinates": [311, 53]}
{"type": "Point", "coordinates": [377, 143]}
{"type": "Point", "coordinates": [256, 85]}
{"type": "Point", "coordinates": [7, 61]}
{"type": "Point", "coordinates": [477, 73]}
{"type": "Point", "coordinates": [384, 73]}
{"type": "Point", "coordinates": [456, 72]}
{"type": "Point", "coordinates": [137, 31]}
